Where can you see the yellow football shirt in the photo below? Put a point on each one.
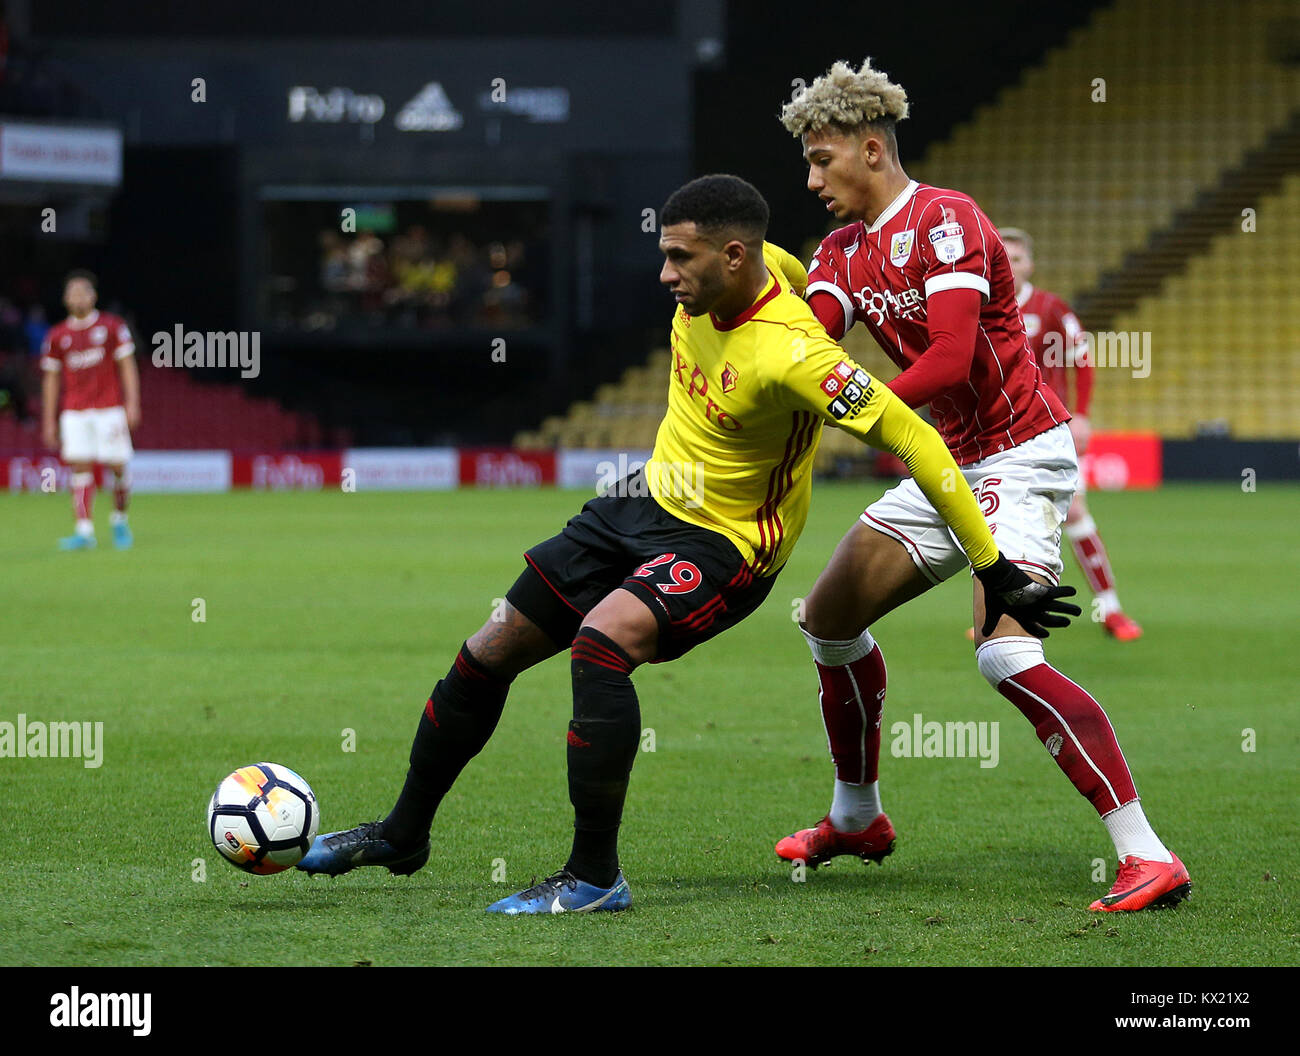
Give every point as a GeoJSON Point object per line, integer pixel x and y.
{"type": "Point", "coordinates": [746, 401]}
{"type": "Point", "coordinates": [747, 398]}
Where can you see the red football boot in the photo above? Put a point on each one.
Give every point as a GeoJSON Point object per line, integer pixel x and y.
{"type": "Point", "coordinates": [1143, 884]}
{"type": "Point", "coordinates": [1122, 628]}
{"type": "Point", "coordinates": [821, 844]}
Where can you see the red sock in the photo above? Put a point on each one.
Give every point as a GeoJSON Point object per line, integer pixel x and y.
{"type": "Point", "coordinates": [852, 700]}
{"type": "Point", "coordinates": [83, 495]}
{"type": "Point", "coordinates": [121, 493]}
{"type": "Point", "coordinates": [1075, 729]}
{"type": "Point", "coordinates": [1091, 554]}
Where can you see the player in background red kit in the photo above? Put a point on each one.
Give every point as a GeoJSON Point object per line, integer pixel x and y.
{"type": "Point", "coordinates": [91, 357]}
{"type": "Point", "coordinates": [1047, 314]}
{"type": "Point", "coordinates": [926, 272]}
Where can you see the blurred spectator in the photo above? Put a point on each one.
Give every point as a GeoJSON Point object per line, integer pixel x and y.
{"type": "Point", "coordinates": [416, 279]}
{"type": "Point", "coordinates": [36, 327]}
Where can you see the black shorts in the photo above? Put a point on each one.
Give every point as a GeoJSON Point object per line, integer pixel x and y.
{"type": "Point", "coordinates": [694, 580]}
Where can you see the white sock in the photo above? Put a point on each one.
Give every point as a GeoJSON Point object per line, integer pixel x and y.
{"type": "Point", "coordinates": [86, 527]}
{"type": "Point", "coordinates": [838, 653]}
{"type": "Point", "coordinates": [117, 517]}
{"type": "Point", "coordinates": [1107, 602]}
{"type": "Point", "coordinates": [1132, 834]}
{"type": "Point", "coordinates": [854, 807]}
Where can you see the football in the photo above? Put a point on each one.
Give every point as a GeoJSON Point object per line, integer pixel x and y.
{"type": "Point", "coordinates": [262, 818]}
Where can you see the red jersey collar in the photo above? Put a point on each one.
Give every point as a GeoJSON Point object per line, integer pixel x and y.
{"type": "Point", "coordinates": [768, 293]}
{"type": "Point", "coordinates": [1026, 291]}
{"type": "Point", "coordinates": [893, 207]}
{"type": "Point", "coordinates": [90, 320]}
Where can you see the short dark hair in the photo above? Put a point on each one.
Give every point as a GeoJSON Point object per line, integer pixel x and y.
{"type": "Point", "coordinates": [718, 204]}
{"type": "Point", "coordinates": [81, 273]}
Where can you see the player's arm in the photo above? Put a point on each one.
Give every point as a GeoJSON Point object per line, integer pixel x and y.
{"type": "Point", "coordinates": [952, 317]}
{"type": "Point", "coordinates": [129, 373]}
{"type": "Point", "coordinates": [51, 369]}
{"type": "Point", "coordinates": [956, 286]}
{"type": "Point", "coordinates": [828, 292]}
{"type": "Point", "coordinates": [823, 379]}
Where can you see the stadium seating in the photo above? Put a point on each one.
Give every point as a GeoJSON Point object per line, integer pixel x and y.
{"type": "Point", "coordinates": [1225, 339]}
{"type": "Point", "coordinates": [1190, 87]}
{"type": "Point", "coordinates": [1134, 200]}
{"type": "Point", "coordinates": [181, 413]}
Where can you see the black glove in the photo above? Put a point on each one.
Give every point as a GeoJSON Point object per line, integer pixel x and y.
{"type": "Point", "coordinates": [1035, 606]}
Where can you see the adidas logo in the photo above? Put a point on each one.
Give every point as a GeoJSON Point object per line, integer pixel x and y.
{"type": "Point", "coordinates": [429, 111]}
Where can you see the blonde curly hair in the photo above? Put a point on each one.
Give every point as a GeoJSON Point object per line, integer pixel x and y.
{"type": "Point", "coordinates": [845, 99]}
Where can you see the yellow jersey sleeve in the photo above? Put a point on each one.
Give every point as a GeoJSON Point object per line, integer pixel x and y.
{"type": "Point", "coordinates": [821, 377]}
{"type": "Point", "coordinates": [810, 372]}
{"type": "Point", "coordinates": [787, 266]}
{"type": "Point", "coordinates": [902, 432]}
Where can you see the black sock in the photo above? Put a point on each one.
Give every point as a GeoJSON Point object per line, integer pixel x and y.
{"type": "Point", "coordinates": [461, 713]}
{"type": "Point", "coordinates": [603, 738]}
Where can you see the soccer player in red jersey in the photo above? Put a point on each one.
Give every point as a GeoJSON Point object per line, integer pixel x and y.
{"type": "Point", "coordinates": [91, 357]}
{"type": "Point", "coordinates": [1051, 325]}
{"type": "Point", "coordinates": [925, 271]}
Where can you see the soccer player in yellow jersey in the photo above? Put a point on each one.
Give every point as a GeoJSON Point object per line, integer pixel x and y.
{"type": "Point", "coordinates": [680, 550]}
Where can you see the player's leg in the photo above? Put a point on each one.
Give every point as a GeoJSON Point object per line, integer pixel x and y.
{"type": "Point", "coordinates": [896, 552]}
{"type": "Point", "coordinates": [1033, 488]}
{"type": "Point", "coordinates": [692, 589]}
{"type": "Point", "coordinates": [122, 537]}
{"type": "Point", "coordinates": [563, 578]}
{"type": "Point", "coordinates": [461, 715]}
{"type": "Point", "coordinates": [618, 635]}
{"type": "Point", "coordinates": [81, 480]}
{"type": "Point", "coordinates": [78, 450]}
{"type": "Point", "coordinates": [1093, 560]}
{"type": "Point", "coordinates": [456, 723]}
{"type": "Point", "coordinates": [113, 438]}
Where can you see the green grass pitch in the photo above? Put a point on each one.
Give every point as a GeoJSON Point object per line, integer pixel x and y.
{"type": "Point", "coordinates": [332, 612]}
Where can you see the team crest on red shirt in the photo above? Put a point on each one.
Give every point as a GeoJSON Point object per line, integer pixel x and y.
{"type": "Point", "coordinates": [1032, 324]}
{"type": "Point", "coordinates": [729, 376]}
{"type": "Point", "coordinates": [900, 247]}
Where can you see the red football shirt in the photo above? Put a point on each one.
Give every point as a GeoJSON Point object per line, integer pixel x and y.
{"type": "Point", "coordinates": [927, 241]}
{"type": "Point", "coordinates": [86, 351]}
{"type": "Point", "coordinates": [1055, 339]}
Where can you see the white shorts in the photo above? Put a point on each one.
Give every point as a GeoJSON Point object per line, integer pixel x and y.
{"type": "Point", "coordinates": [1025, 494]}
{"type": "Point", "coordinates": [96, 435]}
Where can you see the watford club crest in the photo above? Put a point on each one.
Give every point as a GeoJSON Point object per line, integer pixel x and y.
{"type": "Point", "coordinates": [729, 376]}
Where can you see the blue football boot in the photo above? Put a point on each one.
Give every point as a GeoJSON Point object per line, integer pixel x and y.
{"type": "Point", "coordinates": [77, 542]}
{"type": "Point", "coordinates": [340, 852]}
{"type": "Point", "coordinates": [122, 538]}
{"type": "Point", "coordinates": [565, 893]}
